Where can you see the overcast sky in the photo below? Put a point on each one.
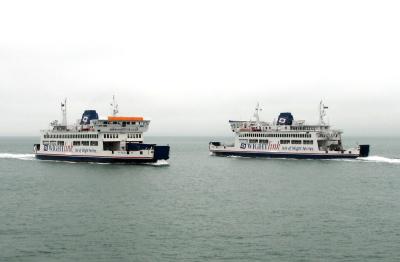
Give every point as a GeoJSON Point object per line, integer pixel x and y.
{"type": "Point", "coordinates": [191, 66]}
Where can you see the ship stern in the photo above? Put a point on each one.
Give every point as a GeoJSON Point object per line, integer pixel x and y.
{"type": "Point", "coordinates": [161, 153]}
{"type": "Point", "coordinates": [364, 150]}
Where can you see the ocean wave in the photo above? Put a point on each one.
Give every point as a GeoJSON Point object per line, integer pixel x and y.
{"type": "Point", "coordinates": [380, 159]}
{"type": "Point", "coordinates": [17, 156]}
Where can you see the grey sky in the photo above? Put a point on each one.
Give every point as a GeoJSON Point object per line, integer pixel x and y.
{"type": "Point", "coordinates": [191, 66]}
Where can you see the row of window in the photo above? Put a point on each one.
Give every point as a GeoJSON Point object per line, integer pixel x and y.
{"type": "Point", "coordinates": [261, 141]}
{"type": "Point", "coordinates": [85, 143]}
{"type": "Point", "coordinates": [75, 143]}
{"type": "Point", "coordinates": [63, 136]}
{"type": "Point", "coordinates": [312, 128]}
{"type": "Point", "coordinates": [134, 135]}
{"type": "Point", "coordinates": [128, 135]}
{"type": "Point", "coordinates": [282, 142]}
{"type": "Point", "coordinates": [275, 135]}
{"type": "Point", "coordinates": [94, 136]}
{"type": "Point", "coordinates": [110, 135]}
{"type": "Point", "coordinates": [296, 142]}
{"type": "Point", "coordinates": [123, 123]}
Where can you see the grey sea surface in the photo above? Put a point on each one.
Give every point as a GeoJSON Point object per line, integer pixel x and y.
{"type": "Point", "coordinates": [200, 207]}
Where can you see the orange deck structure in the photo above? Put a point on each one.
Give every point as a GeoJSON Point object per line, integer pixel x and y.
{"type": "Point", "coordinates": [125, 118]}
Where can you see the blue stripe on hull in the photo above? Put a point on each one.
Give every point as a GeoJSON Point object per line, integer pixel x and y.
{"type": "Point", "coordinates": [285, 155]}
{"type": "Point", "coordinates": [96, 159]}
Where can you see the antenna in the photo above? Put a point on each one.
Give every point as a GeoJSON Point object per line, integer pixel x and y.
{"type": "Point", "coordinates": [257, 111]}
{"type": "Point", "coordinates": [64, 112]}
{"type": "Point", "coordinates": [322, 113]}
{"type": "Point", "coordinates": [114, 107]}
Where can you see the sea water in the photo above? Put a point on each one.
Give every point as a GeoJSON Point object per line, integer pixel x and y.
{"type": "Point", "coordinates": [199, 207]}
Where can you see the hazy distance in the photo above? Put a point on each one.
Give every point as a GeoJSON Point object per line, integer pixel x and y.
{"type": "Point", "coordinates": [191, 66]}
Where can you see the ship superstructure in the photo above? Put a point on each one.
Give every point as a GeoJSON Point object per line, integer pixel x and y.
{"type": "Point", "coordinates": [115, 139]}
{"type": "Point", "coordinates": [287, 138]}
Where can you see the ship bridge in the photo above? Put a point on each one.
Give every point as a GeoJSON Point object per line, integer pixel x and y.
{"type": "Point", "coordinates": [121, 124]}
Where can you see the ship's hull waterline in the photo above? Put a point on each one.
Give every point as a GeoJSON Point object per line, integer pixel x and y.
{"type": "Point", "coordinates": [95, 159]}
{"type": "Point", "coordinates": [284, 155]}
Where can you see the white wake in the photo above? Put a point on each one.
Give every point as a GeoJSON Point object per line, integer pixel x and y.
{"type": "Point", "coordinates": [159, 163]}
{"type": "Point", "coordinates": [17, 156]}
{"type": "Point", "coordinates": [380, 159]}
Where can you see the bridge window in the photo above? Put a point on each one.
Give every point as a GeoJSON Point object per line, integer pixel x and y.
{"type": "Point", "coordinates": [296, 142]}
{"type": "Point", "coordinates": [76, 143]}
{"type": "Point", "coordinates": [85, 143]}
{"type": "Point", "coordinates": [284, 142]}
{"type": "Point", "coordinates": [94, 143]}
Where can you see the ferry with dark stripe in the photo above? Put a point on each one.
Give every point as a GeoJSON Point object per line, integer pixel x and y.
{"type": "Point", "coordinates": [287, 138]}
{"type": "Point", "coordinates": [116, 139]}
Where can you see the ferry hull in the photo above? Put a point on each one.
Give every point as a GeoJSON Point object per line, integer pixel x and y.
{"type": "Point", "coordinates": [216, 148]}
{"type": "Point", "coordinates": [284, 155]}
{"type": "Point", "coordinates": [160, 153]}
{"type": "Point", "coordinates": [95, 159]}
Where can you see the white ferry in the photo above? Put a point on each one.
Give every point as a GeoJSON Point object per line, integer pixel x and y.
{"type": "Point", "coordinates": [287, 138]}
{"type": "Point", "coordinates": [116, 139]}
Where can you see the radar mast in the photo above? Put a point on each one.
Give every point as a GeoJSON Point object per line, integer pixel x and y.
{"type": "Point", "coordinates": [114, 106]}
{"type": "Point", "coordinates": [64, 112]}
{"type": "Point", "coordinates": [256, 112]}
{"type": "Point", "coordinates": [322, 113]}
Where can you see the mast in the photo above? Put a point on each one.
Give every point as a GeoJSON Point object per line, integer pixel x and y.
{"type": "Point", "coordinates": [64, 112]}
{"type": "Point", "coordinates": [257, 111]}
{"type": "Point", "coordinates": [114, 106]}
{"type": "Point", "coordinates": [322, 113]}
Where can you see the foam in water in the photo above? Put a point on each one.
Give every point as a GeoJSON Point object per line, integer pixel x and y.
{"type": "Point", "coordinates": [380, 159]}
{"type": "Point", "coordinates": [17, 156]}
{"type": "Point", "coordinates": [370, 159]}
{"type": "Point", "coordinates": [159, 163]}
